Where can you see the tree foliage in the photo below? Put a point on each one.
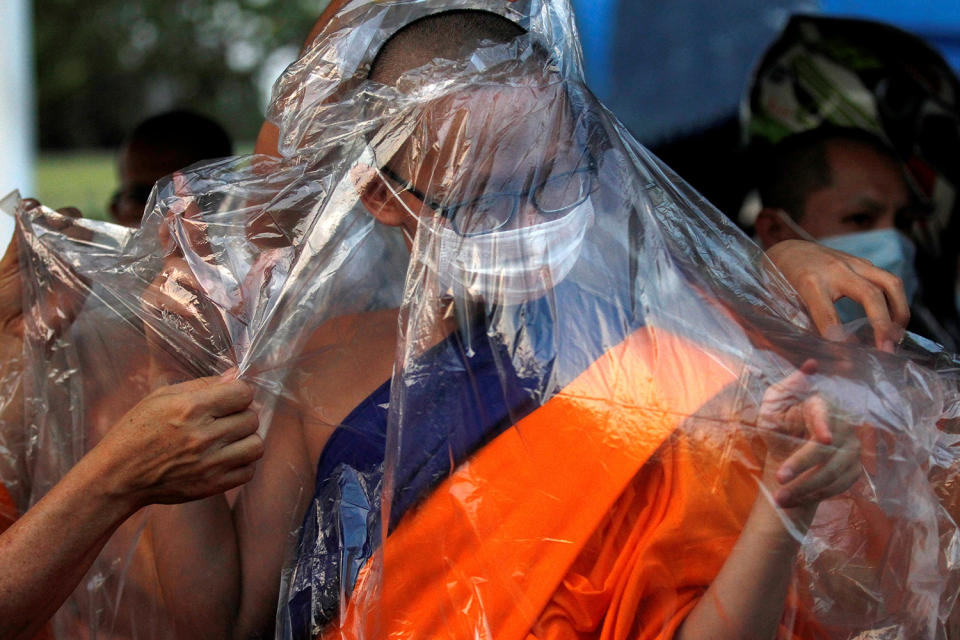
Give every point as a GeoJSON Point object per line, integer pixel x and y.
{"type": "Point", "coordinates": [103, 65]}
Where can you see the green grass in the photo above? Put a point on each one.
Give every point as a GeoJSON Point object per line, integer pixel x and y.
{"type": "Point", "coordinates": [81, 179]}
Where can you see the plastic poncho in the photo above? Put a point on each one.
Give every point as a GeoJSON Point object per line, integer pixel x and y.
{"type": "Point", "coordinates": [516, 379]}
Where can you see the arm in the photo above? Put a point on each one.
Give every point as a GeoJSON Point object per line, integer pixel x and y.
{"type": "Point", "coordinates": [180, 443]}
{"type": "Point", "coordinates": [219, 569]}
{"type": "Point", "coordinates": [822, 275]}
{"type": "Point", "coordinates": [747, 597]}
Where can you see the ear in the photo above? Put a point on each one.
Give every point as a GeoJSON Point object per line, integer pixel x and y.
{"type": "Point", "coordinates": [384, 202]}
{"type": "Point", "coordinates": [771, 229]}
{"type": "Point", "coordinates": [268, 140]}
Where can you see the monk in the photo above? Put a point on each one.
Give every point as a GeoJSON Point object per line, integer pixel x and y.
{"type": "Point", "coordinates": [741, 583]}
{"type": "Point", "coordinates": [820, 275]}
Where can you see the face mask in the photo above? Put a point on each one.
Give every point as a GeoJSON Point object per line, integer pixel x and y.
{"type": "Point", "coordinates": [887, 249]}
{"type": "Point", "coordinates": [512, 266]}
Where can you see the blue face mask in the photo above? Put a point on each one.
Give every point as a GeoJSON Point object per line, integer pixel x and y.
{"type": "Point", "coordinates": [887, 249]}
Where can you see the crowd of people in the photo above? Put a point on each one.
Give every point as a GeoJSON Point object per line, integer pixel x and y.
{"type": "Point", "coordinates": [452, 355]}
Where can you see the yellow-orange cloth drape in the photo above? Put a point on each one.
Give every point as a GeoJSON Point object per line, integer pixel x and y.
{"type": "Point", "coordinates": [593, 517]}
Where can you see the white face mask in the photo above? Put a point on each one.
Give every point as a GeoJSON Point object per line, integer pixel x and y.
{"type": "Point", "coordinates": [887, 249]}
{"type": "Point", "coordinates": [512, 266]}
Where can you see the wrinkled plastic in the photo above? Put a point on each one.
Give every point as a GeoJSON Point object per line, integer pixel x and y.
{"type": "Point", "coordinates": [518, 425]}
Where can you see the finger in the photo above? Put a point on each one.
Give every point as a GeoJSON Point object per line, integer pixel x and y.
{"type": "Point", "coordinates": [776, 409]}
{"type": "Point", "coordinates": [233, 478]}
{"type": "Point", "coordinates": [60, 221]}
{"type": "Point", "coordinates": [241, 453]}
{"type": "Point", "coordinates": [881, 310]}
{"type": "Point", "coordinates": [892, 287]}
{"type": "Point", "coordinates": [830, 467]}
{"type": "Point", "coordinates": [29, 204]}
{"type": "Point", "coordinates": [809, 456]}
{"type": "Point", "coordinates": [224, 398]}
{"type": "Point", "coordinates": [816, 418]}
{"type": "Point", "coordinates": [792, 389]}
{"type": "Point", "coordinates": [820, 307]}
{"type": "Point", "coordinates": [818, 488]}
{"type": "Point", "coordinates": [236, 426]}
{"type": "Point", "coordinates": [203, 384]}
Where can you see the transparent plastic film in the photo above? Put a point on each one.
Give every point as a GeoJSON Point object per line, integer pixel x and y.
{"type": "Point", "coordinates": [515, 378]}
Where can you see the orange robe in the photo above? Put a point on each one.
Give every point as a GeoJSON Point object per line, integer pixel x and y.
{"type": "Point", "coordinates": [593, 517]}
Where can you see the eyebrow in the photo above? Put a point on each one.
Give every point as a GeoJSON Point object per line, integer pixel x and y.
{"type": "Point", "coordinates": [869, 204]}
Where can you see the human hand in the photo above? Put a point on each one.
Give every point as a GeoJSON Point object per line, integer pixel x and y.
{"type": "Point", "coordinates": [822, 275]}
{"type": "Point", "coordinates": [59, 309]}
{"type": "Point", "coordinates": [183, 442]}
{"type": "Point", "coordinates": [812, 454]}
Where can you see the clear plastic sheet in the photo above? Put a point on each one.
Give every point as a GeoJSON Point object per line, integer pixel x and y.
{"type": "Point", "coordinates": [516, 379]}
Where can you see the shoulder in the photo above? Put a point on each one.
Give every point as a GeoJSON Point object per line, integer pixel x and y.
{"type": "Point", "coordinates": [344, 361]}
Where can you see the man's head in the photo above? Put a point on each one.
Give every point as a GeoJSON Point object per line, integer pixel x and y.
{"type": "Point", "coordinates": [157, 147]}
{"type": "Point", "coordinates": [483, 140]}
{"type": "Point", "coordinates": [493, 161]}
{"type": "Point", "coordinates": [831, 182]}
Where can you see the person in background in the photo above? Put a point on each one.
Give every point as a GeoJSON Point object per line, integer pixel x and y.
{"type": "Point", "coordinates": [181, 442]}
{"type": "Point", "coordinates": [872, 77]}
{"type": "Point", "coordinates": [157, 147]}
{"type": "Point", "coordinates": [845, 189]}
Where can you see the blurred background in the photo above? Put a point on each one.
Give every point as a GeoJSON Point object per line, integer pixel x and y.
{"type": "Point", "coordinates": [76, 76]}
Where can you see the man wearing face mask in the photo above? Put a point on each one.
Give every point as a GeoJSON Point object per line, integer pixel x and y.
{"type": "Point", "coordinates": [882, 106]}
{"type": "Point", "coordinates": [846, 190]}
{"type": "Point", "coordinates": [495, 182]}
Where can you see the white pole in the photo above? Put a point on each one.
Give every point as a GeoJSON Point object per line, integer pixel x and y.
{"type": "Point", "coordinates": [17, 121]}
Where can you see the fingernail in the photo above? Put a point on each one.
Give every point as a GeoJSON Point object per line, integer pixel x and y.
{"type": "Point", "coordinates": [782, 497]}
{"type": "Point", "coordinates": [785, 475]}
{"type": "Point", "coordinates": [887, 346]}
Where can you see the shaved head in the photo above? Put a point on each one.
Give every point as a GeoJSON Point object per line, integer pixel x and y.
{"type": "Point", "coordinates": [451, 35]}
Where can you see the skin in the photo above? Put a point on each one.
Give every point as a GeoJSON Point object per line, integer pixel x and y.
{"type": "Point", "coordinates": [346, 359]}
{"type": "Point", "coordinates": [820, 275]}
{"type": "Point", "coordinates": [747, 597]}
{"type": "Point", "coordinates": [180, 443]}
{"type": "Point", "coordinates": [868, 192]}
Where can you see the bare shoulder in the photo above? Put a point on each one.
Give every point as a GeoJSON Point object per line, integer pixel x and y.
{"type": "Point", "coordinates": [343, 362]}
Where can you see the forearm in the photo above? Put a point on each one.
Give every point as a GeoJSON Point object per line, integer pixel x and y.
{"type": "Point", "coordinates": [747, 597]}
{"type": "Point", "coordinates": [198, 566]}
{"type": "Point", "coordinates": [42, 560]}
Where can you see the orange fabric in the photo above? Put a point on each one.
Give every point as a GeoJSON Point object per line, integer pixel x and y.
{"type": "Point", "coordinates": [560, 525]}
{"type": "Point", "coordinates": [8, 511]}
